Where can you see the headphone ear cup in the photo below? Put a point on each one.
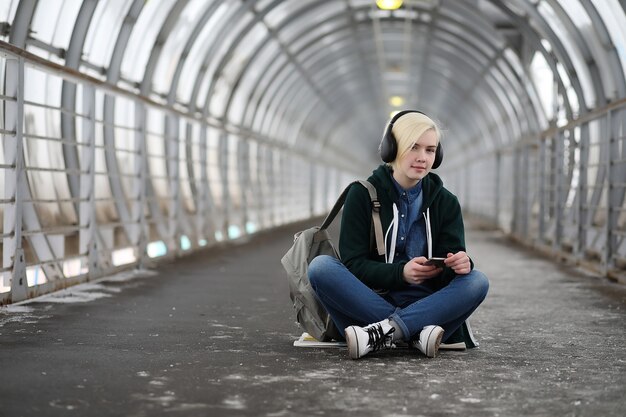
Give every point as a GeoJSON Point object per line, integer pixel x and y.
{"type": "Point", "coordinates": [438, 156]}
{"type": "Point", "coordinates": [388, 146]}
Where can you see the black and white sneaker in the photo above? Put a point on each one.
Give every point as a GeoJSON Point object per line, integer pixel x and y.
{"type": "Point", "coordinates": [373, 337]}
{"type": "Point", "coordinates": [429, 341]}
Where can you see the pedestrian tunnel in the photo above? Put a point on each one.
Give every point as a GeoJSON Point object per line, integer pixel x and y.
{"type": "Point", "coordinates": [140, 131]}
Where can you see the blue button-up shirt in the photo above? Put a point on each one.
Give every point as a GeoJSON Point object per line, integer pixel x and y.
{"type": "Point", "coordinates": [411, 241]}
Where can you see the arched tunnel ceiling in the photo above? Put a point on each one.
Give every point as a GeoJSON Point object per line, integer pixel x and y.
{"type": "Point", "coordinates": [317, 75]}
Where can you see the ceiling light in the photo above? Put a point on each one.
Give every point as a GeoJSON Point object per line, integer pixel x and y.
{"type": "Point", "coordinates": [396, 101]}
{"type": "Point", "coordinates": [388, 4]}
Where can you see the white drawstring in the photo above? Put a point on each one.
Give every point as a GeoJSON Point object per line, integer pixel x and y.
{"type": "Point", "coordinates": [429, 238]}
{"type": "Point", "coordinates": [394, 236]}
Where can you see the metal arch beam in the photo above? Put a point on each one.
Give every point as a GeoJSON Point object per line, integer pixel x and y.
{"type": "Point", "coordinates": [332, 90]}
{"type": "Point", "coordinates": [270, 35]}
{"type": "Point", "coordinates": [73, 56]}
{"type": "Point", "coordinates": [286, 100]}
{"type": "Point", "coordinates": [613, 57]}
{"type": "Point", "coordinates": [353, 24]}
{"type": "Point", "coordinates": [108, 112]}
{"type": "Point", "coordinates": [275, 77]}
{"type": "Point", "coordinates": [272, 76]}
{"type": "Point", "coordinates": [341, 53]}
{"type": "Point", "coordinates": [221, 33]}
{"type": "Point", "coordinates": [202, 199]}
{"type": "Point", "coordinates": [564, 58]}
{"type": "Point", "coordinates": [489, 69]}
{"type": "Point", "coordinates": [486, 115]}
{"type": "Point", "coordinates": [191, 40]}
{"type": "Point", "coordinates": [43, 248]}
{"type": "Point", "coordinates": [456, 90]}
{"type": "Point", "coordinates": [459, 92]}
{"type": "Point", "coordinates": [532, 35]}
{"type": "Point", "coordinates": [475, 26]}
{"type": "Point", "coordinates": [474, 22]}
{"type": "Point", "coordinates": [20, 27]}
{"type": "Point", "coordinates": [482, 77]}
{"type": "Point", "coordinates": [585, 52]}
{"type": "Point", "coordinates": [258, 17]}
{"type": "Point", "coordinates": [604, 151]}
{"type": "Point", "coordinates": [145, 89]}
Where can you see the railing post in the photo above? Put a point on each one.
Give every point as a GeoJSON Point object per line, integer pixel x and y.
{"type": "Point", "coordinates": [611, 203]}
{"type": "Point", "coordinates": [559, 185]}
{"type": "Point", "coordinates": [140, 174]}
{"type": "Point", "coordinates": [173, 175]}
{"type": "Point", "coordinates": [583, 210]}
{"type": "Point", "coordinates": [88, 238]}
{"type": "Point", "coordinates": [14, 181]}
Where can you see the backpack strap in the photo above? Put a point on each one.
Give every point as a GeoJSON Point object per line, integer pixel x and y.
{"type": "Point", "coordinates": [378, 228]}
{"type": "Point", "coordinates": [336, 208]}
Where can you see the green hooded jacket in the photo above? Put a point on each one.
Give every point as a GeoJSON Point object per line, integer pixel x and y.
{"type": "Point", "coordinates": [357, 244]}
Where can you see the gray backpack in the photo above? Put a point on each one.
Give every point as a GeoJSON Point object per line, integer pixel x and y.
{"type": "Point", "coordinates": [308, 244]}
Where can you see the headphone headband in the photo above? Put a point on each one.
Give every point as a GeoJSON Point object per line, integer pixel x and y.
{"type": "Point", "coordinates": [389, 146]}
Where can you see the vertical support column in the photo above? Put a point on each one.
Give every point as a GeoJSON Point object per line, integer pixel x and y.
{"type": "Point", "coordinates": [543, 180]}
{"type": "Point", "coordinates": [243, 169]}
{"type": "Point", "coordinates": [612, 188]}
{"type": "Point", "coordinates": [172, 147]}
{"type": "Point", "coordinates": [496, 186]}
{"type": "Point", "coordinates": [88, 238]}
{"type": "Point", "coordinates": [312, 183]}
{"type": "Point", "coordinates": [140, 177]}
{"type": "Point", "coordinates": [583, 210]}
{"type": "Point", "coordinates": [272, 181]}
{"type": "Point", "coordinates": [517, 190]}
{"type": "Point", "coordinates": [202, 210]}
{"type": "Point", "coordinates": [559, 203]}
{"type": "Point", "coordinates": [527, 195]}
{"type": "Point", "coordinates": [223, 158]}
{"type": "Point", "coordinates": [14, 181]}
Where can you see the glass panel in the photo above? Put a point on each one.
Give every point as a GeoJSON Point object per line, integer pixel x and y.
{"type": "Point", "coordinates": [175, 44]}
{"type": "Point", "coordinates": [231, 71]}
{"type": "Point", "coordinates": [184, 160]}
{"type": "Point", "coordinates": [234, 28]}
{"type": "Point", "coordinates": [214, 171]}
{"type": "Point", "coordinates": [277, 62]}
{"type": "Point", "coordinates": [142, 38]}
{"type": "Point", "coordinates": [583, 22]}
{"type": "Point", "coordinates": [543, 78]}
{"type": "Point", "coordinates": [103, 31]}
{"type": "Point", "coordinates": [615, 20]}
{"type": "Point", "coordinates": [251, 78]}
{"type": "Point", "coordinates": [7, 14]}
{"type": "Point", "coordinates": [580, 66]}
{"type": "Point", "coordinates": [53, 23]}
{"type": "Point", "coordinates": [194, 60]}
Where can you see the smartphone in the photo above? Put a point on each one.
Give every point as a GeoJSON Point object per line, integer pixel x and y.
{"type": "Point", "coordinates": [438, 262]}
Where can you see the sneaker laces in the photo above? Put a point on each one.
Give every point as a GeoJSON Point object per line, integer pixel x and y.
{"type": "Point", "coordinates": [378, 339]}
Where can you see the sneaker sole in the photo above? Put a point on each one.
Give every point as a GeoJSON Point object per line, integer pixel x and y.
{"type": "Point", "coordinates": [353, 342]}
{"type": "Point", "coordinates": [434, 341]}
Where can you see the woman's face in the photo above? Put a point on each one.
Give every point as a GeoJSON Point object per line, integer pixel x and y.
{"type": "Point", "coordinates": [418, 161]}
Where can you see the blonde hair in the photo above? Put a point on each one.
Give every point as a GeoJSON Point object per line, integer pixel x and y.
{"type": "Point", "coordinates": [409, 128]}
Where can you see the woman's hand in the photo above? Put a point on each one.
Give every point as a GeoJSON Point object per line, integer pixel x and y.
{"type": "Point", "coordinates": [415, 272]}
{"type": "Point", "coordinates": [459, 262]}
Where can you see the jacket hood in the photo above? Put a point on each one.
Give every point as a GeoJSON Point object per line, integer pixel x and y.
{"type": "Point", "coordinates": [382, 177]}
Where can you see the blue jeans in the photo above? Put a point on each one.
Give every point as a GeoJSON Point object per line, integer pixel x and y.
{"type": "Point", "coordinates": [412, 307]}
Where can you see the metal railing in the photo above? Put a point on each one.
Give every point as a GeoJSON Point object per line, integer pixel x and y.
{"type": "Point", "coordinates": [568, 191]}
{"type": "Point", "coordinates": [90, 190]}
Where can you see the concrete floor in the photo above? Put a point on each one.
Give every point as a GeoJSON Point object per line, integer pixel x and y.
{"type": "Point", "coordinates": [212, 334]}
